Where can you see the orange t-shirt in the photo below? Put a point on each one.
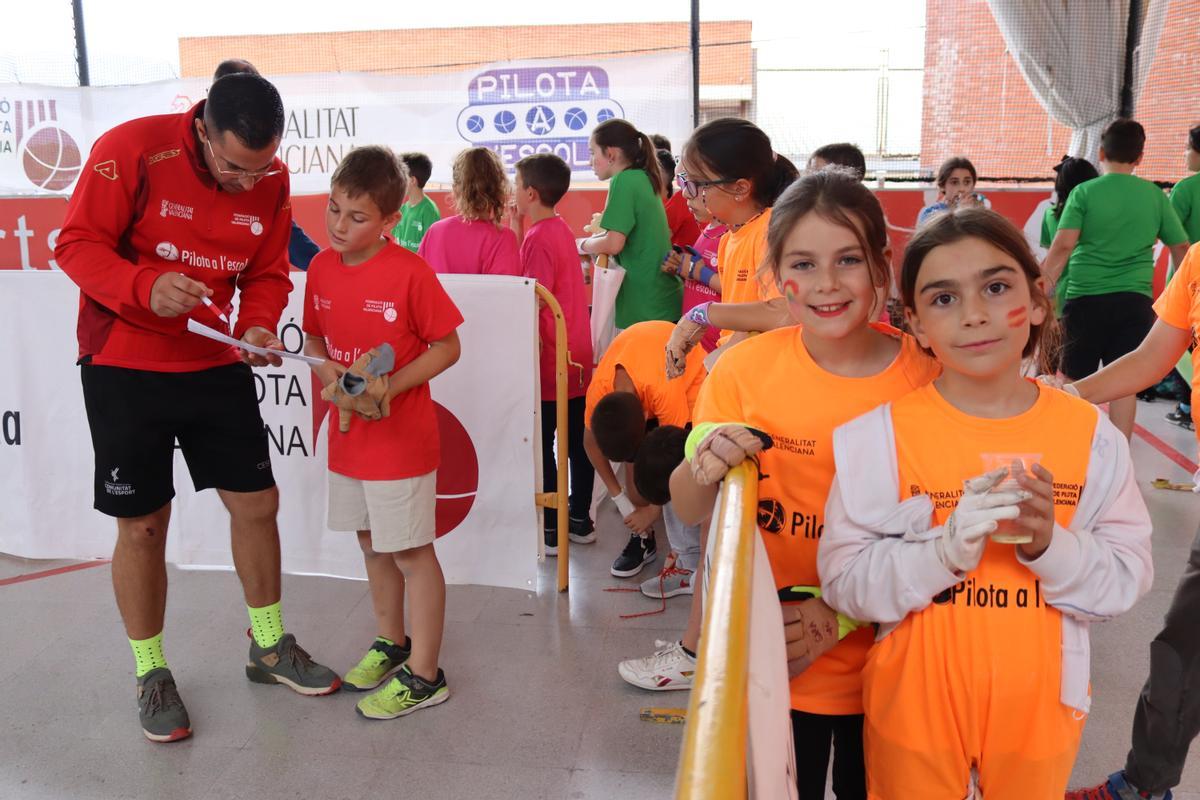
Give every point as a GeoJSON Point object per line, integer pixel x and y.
{"type": "Point", "coordinates": [981, 667]}
{"type": "Point", "coordinates": [641, 350]}
{"type": "Point", "coordinates": [771, 383]}
{"type": "Point", "coordinates": [740, 254]}
{"type": "Point", "coordinates": [1179, 307]}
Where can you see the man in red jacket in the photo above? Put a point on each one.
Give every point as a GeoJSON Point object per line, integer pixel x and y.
{"type": "Point", "coordinates": [171, 215]}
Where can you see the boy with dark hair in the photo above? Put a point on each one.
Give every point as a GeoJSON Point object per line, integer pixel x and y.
{"type": "Point", "coordinates": [418, 211]}
{"type": "Point", "coordinates": [673, 665]}
{"type": "Point", "coordinates": [629, 394]}
{"type": "Point", "coordinates": [548, 255]}
{"type": "Point", "coordinates": [148, 383]}
{"type": "Point", "coordinates": [301, 248]}
{"type": "Point", "coordinates": [1107, 229]}
{"type": "Point", "coordinates": [1185, 197]}
{"type": "Point", "coordinates": [660, 142]}
{"type": "Point", "coordinates": [384, 455]}
{"type": "Point", "coordinates": [841, 153]}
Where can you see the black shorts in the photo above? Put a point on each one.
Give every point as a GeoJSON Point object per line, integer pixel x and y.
{"type": "Point", "coordinates": [1102, 328]}
{"type": "Point", "coordinates": [136, 417]}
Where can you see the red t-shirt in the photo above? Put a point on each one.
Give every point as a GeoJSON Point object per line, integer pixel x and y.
{"type": "Point", "coordinates": [680, 220]}
{"type": "Point", "coordinates": [393, 297]}
{"type": "Point", "coordinates": [146, 204]}
{"type": "Point", "coordinates": [549, 256]}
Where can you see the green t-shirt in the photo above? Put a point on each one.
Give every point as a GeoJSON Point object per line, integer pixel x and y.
{"type": "Point", "coordinates": [414, 221]}
{"type": "Point", "coordinates": [1118, 218]}
{"type": "Point", "coordinates": [635, 210]}
{"type": "Point", "coordinates": [1049, 228]}
{"type": "Point", "coordinates": [1185, 199]}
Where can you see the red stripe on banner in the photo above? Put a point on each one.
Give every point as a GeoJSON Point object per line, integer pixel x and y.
{"type": "Point", "coordinates": [1166, 449]}
{"type": "Point", "coordinates": [46, 573]}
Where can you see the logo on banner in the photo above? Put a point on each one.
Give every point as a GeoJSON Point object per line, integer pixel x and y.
{"type": "Point", "coordinates": [49, 155]}
{"type": "Point", "coordinates": [519, 112]}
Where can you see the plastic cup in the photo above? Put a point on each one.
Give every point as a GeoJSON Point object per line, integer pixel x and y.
{"type": "Point", "coordinates": [1007, 531]}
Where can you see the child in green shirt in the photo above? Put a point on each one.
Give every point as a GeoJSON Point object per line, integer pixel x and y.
{"type": "Point", "coordinates": [1107, 230]}
{"type": "Point", "coordinates": [1069, 173]}
{"type": "Point", "coordinates": [1185, 197]}
{"type": "Point", "coordinates": [635, 223]}
{"type": "Point", "coordinates": [418, 211]}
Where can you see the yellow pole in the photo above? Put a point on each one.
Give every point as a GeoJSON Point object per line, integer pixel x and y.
{"type": "Point", "coordinates": [560, 454]}
{"type": "Point", "coordinates": [712, 765]}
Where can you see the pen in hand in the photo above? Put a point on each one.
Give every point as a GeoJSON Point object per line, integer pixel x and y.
{"type": "Point", "coordinates": [220, 314]}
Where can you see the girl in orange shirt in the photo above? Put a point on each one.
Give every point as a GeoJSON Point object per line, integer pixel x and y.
{"type": "Point", "coordinates": [730, 166]}
{"type": "Point", "coordinates": [827, 252]}
{"type": "Point", "coordinates": [983, 587]}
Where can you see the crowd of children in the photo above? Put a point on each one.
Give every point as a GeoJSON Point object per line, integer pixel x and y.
{"type": "Point", "coordinates": [934, 584]}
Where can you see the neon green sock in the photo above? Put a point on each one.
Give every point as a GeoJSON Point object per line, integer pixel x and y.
{"type": "Point", "coordinates": [148, 653]}
{"type": "Point", "coordinates": [267, 624]}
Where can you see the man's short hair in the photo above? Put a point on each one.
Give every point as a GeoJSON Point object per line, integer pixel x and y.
{"type": "Point", "coordinates": [1123, 141]}
{"type": "Point", "coordinates": [619, 425]}
{"type": "Point", "coordinates": [373, 170]}
{"type": "Point", "coordinates": [419, 166]}
{"type": "Point", "coordinates": [546, 173]}
{"type": "Point", "coordinates": [660, 453]}
{"type": "Point", "coordinates": [248, 106]}
{"type": "Point", "coordinates": [234, 66]}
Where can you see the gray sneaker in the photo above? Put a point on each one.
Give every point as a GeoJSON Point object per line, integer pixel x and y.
{"type": "Point", "coordinates": [288, 663]}
{"type": "Point", "coordinates": [163, 717]}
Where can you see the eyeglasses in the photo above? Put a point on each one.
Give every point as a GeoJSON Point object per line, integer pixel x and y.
{"type": "Point", "coordinates": [240, 174]}
{"type": "Point", "coordinates": [691, 189]}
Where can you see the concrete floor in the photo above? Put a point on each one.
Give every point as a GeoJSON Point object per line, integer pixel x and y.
{"type": "Point", "coordinates": [537, 709]}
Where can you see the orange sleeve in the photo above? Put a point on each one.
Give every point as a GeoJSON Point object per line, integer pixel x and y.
{"type": "Point", "coordinates": [764, 282]}
{"type": "Point", "coordinates": [1174, 305]}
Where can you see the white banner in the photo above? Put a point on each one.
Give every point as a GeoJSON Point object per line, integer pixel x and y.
{"type": "Point", "coordinates": [516, 108]}
{"type": "Point", "coordinates": [487, 521]}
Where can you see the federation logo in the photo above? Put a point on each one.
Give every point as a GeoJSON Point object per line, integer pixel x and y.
{"type": "Point", "coordinates": [547, 109]}
{"type": "Point", "coordinates": [389, 314]}
{"type": "Point", "coordinates": [166, 251]}
{"type": "Point", "coordinates": [50, 156]}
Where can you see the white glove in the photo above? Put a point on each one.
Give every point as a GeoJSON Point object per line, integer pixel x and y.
{"type": "Point", "coordinates": [625, 506]}
{"type": "Point", "coordinates": [977, 514]}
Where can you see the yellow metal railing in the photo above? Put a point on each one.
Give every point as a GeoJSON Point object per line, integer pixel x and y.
{"type": "Point", "coordinates": [558, 498]}
{"type": "Point", "coordinates": [712, 765]}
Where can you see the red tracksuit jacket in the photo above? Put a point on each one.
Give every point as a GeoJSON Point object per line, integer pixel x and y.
{"type": "Point", "coordinates": [146, 204]}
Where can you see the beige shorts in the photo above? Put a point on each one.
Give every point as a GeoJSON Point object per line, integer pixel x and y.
{"type": "Point", "coordinates": [399, 514]}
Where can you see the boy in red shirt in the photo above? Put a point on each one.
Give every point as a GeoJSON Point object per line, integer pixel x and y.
{"type": "Point", "coordinates": [366, 291]}
{"type": "Point", "coordinates": [548, 255]}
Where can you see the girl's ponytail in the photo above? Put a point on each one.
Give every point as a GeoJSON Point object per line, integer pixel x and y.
{"type": "Point", "coordinates": [636, 146]}
{"type": "Point", "coordinates": [732, 148]}
{"type": "Point", "coordinates": [785, 174]}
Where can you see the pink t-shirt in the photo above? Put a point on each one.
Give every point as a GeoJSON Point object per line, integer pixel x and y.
{"type": "Point", "coordinates": [694, 292]}
{"type": "Point", "coordinates": [549, 256]}
{"type": "Point", "coordinates": [456, 246]}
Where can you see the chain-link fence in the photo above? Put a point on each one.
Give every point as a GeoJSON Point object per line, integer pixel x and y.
{"type": "Point", "coordinates": [1011, 85]}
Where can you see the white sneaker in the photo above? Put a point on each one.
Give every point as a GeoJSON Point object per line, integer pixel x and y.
{"type": "Point", "coordinates": [670, 582]}
{"type": "Point", "coordinates": [670, 668]}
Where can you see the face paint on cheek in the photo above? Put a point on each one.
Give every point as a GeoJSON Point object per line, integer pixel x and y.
{"type": "Point", "coordinates": [1018, 317]}
{"type": "Point", "coordinates": [791, 290]}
